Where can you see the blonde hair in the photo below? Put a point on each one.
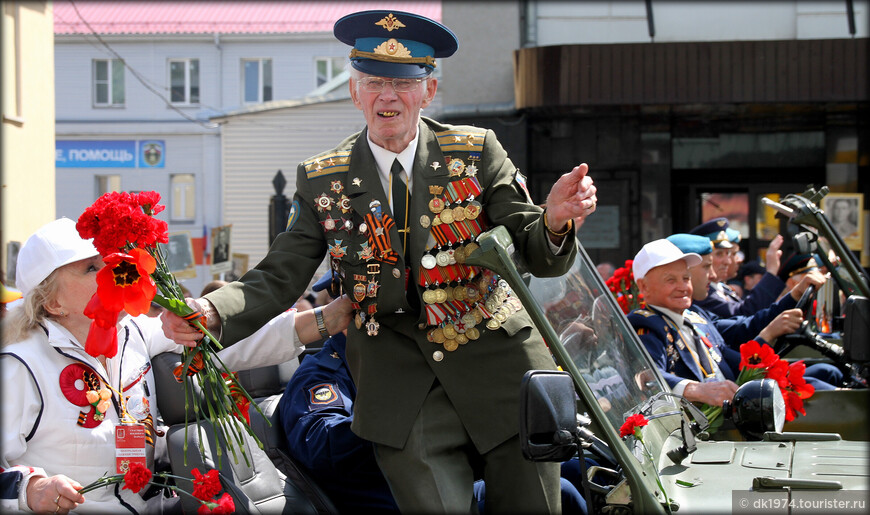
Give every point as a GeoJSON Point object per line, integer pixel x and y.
{"type": "Point", "coordinates": [19, 322]}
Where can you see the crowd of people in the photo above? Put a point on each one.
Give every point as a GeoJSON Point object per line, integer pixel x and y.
{"type": "Point", "coordinates": [411, 403]}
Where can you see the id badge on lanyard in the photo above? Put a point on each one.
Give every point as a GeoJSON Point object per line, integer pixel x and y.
{"type": "Point", "coordinates": [129, 446]}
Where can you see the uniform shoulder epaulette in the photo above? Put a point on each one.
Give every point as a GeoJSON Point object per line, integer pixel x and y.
{"type": "Point", "coordinates": [327, 164]}
{"type": "Point", "coordinates": [468, 139]}
{"type": "Point", "coordinates": [643, 312]}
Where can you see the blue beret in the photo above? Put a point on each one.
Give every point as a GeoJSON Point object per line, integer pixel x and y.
{"type": "Point", "coordinates": [691, 243]}
{"type": "Point", "coordinates": [394, 43]}
{"type": "Point", "coordinates": [733, 235]}
{"type": "Point", "coordinates": [715, 230]}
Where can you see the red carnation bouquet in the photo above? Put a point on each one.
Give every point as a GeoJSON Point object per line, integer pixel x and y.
{"type": "Point", "coordinates": [623, 287]}
{"type": "Point", "coordinates": [758, 361]}
{"type": "Point", "coordinates": [126, 234]}
{"type": "Point", "coordinates": [206, 487]}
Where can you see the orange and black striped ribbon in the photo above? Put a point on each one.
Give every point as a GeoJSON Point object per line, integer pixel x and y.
{"type": "Point", "coordinates": [382, 241]}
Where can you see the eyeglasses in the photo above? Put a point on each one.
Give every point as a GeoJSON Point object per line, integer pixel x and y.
{"type": "Point", "coordinates": [376, 84]}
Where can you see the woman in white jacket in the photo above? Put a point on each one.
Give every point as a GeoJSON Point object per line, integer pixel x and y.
{"type": "Point", "coordinates": [53, 440]}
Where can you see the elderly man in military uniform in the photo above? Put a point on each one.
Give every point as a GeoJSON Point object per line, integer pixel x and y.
{"type": "Point", "coordinates": [684, 340]}
{"type": "Point", "coordinates": [439, 348]}
{"type": "Point", "coordinates": [724, 301]}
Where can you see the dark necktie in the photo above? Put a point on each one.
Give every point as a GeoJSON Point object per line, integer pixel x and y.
{"type": "Point", "coordinates": [400, 204]}
{"type": "Point", "coordinates": [701, 351]}
{"type": "Point", "coordinates": [401, 200]}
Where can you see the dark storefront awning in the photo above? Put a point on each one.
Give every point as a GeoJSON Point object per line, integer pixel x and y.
{"type": "Point", "coordinates": [794, 71]}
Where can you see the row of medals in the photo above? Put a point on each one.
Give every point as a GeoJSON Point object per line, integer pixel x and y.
{"type": "Point", "coordinates": [499, 303]}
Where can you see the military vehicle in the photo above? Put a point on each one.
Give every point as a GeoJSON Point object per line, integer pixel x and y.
{"type": "Point", "coordinates": [608, 376]}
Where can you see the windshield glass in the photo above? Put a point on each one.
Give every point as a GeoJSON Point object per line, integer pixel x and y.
{"type": "Point", "coordinates": [598, 338]}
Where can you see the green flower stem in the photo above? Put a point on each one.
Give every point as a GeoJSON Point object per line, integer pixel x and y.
{"type": "Point", "coordinates": [649, 456]}
{"type": "Point", "coordinates": [217, 403]}
{"type": "Point", "coordinates": [119, 478]}
{"type": "Point", "coordinates": [102, 482]}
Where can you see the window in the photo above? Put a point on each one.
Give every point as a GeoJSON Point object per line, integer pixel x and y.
{"type": "Point", "coordinates": [256, 80]}
{"type": "Point", "coordinates": [107, 183]}
{"type": "Point", "coordinates": [108, 82]}
{"type": "Point", "coordinates": [182, 191]}
{"type": "Point", "coordinates": [184, 81]}
{"type": "Point", "coordinates": [328, 68]}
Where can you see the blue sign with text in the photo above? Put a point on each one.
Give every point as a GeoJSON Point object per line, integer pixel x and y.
{"type": "Point", "coordinates": [109, 154]}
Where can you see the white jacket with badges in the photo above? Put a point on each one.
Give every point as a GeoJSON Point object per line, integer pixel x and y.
{"type": "Point", "coordinates": [45, 423]}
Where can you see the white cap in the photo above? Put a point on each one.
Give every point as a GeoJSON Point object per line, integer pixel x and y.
{"type": "Point", "coordinates": [658, 253]}
{"type": "Point", "coordinates": [54, 245]}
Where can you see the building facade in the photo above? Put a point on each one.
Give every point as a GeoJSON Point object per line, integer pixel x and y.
{"type": "Point", "coordinates": [138, 84]}
{"type": "Point", "coordinates": [684, 110]}
{"type": "Point", "coordinates": [27, 198]}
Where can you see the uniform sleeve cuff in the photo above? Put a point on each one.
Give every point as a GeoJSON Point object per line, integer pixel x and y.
{"type": "Point", "coordinates": [22, 487]}
{"type": "Point", "coordinates": [680, 387]}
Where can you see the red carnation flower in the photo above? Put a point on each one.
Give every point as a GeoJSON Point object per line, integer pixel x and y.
{"type": "Point", "coordinates": [149, 202]}
{"type": "Point", "coordinates": [223, 505]}
{"type": "Point", "coordinates": [137, 477]}
{"type": "Point", "coordinates": [206, 486]}
{"type": "Point", "coordinates": [632, 424]}
{"type": "Point", "coordinates": [117, 220]}
{"type": "Point", "coordinates": [756, 355]}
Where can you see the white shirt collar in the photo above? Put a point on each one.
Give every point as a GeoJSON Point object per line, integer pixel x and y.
{"type": "Point", "coordinates": [384, 158]}
{"type": "Point", "coordinates": [675, 317]}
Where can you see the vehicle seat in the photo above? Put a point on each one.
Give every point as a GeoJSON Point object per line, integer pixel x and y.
{"type": "Point", "coordinates": [266, 386]}
{"type": "Point", "coordinates": [257, 486]}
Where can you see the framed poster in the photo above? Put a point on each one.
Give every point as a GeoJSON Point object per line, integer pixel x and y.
{"type": "Point", "coordinates": [240, 266]}
{"type": "Point", "coordinates": [845, 211]}
{"type": "Point", "coordinates": [179, 255]}
{"type": "Point", "coordinates": [221, 252]}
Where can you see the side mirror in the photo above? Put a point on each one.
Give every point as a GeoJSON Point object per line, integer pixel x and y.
{"type": "Point", "coordinates": [548, 416]}
{"type": "Point", "coordinates": [856, 331]}
{"type": "Point", "coordinates": [805, 243]}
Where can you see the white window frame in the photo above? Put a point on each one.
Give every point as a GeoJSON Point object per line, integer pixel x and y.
{"type": "Point", "coordinates": [260, 79]}
{"type": "Point", "coordinates": [187, 82]}
{"type": "Point", "coordinates": [105, 183]}
{"type": "Point", "coordinates": [331, 73]}
{"type": "Point", "coordinates": [182, 197]}
{"type": "Point", "coordinates": [110, 82]}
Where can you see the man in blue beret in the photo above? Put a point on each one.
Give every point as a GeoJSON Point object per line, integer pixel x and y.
{"type": "Point", "coordinates": [438, 349]}
{"type": "Point", "coordinates": [722, 300]}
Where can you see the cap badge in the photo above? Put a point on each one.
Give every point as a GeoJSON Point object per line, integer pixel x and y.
{"type": "Point", "coordinates": [393, 48]}
{"type": "Point", "coordinates": [390, 23]}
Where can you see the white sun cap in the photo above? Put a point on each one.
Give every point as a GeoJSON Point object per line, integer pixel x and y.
{"type": "Point", "coordinates": [52, 246]}
{"type": "Point", "coordinates": [658, 253]}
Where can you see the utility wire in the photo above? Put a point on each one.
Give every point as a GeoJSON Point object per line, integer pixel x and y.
{"type": "Point", "coordinates": [142, 80]}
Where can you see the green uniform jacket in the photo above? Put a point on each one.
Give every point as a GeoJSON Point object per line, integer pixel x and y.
{"type": "Point", "coordinates": [395, 370]}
